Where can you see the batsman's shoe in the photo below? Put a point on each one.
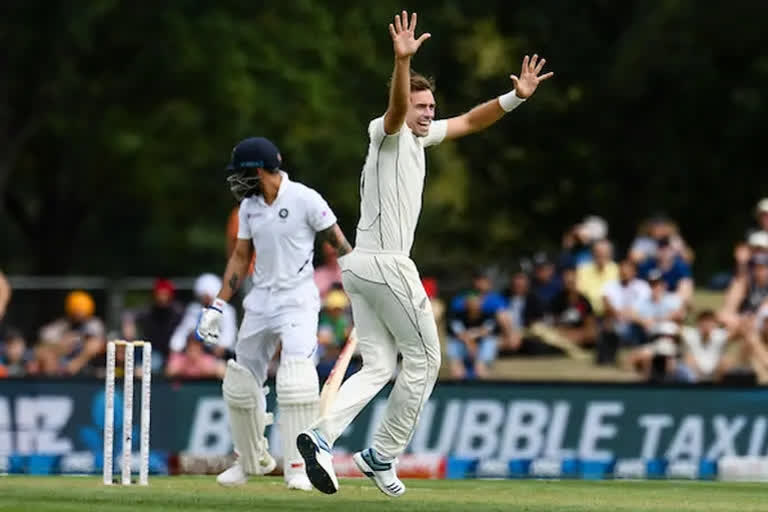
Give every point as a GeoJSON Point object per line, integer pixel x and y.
{"type": "Point", "coordinates": [382, 473]}
{"type": "Point", "coordinates": [300, 483]}
{"type": "Point", "coordinates": [236, 475]}
{"type": "Point", "coordinates": [232, 477]}
{"type": "Point", "coordinates": [318, 461]}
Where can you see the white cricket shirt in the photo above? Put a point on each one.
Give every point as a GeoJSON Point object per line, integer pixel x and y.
{"type": "Point", "coordinates": [283, 234]}
{"type": "Point", "coordinates": [391, 186]}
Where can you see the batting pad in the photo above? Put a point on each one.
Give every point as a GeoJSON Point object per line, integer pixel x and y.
{"type": "Point", "coordinates": [248, 416]}
{"type": "Point", "coordinates": [298, 397]}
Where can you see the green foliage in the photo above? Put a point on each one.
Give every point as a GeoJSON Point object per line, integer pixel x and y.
{"type": "Point", "coordinates": [118, 120]}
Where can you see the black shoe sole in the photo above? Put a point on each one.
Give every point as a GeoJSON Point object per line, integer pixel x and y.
{"type": "Point", "coordinates": [319, 477]}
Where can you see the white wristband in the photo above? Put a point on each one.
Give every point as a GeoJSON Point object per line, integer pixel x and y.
{"type": "Point", "coordinates": [510, 101]}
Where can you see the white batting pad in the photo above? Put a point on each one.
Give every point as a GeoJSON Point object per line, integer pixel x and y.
{"type": "Point", "coordinates": [298, 397]}
{"type": "Point", "coordinates": [247, 417]}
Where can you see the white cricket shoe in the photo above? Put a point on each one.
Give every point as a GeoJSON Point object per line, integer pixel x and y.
{"type": "Point", "coordinates": [318, 461]}
{"type": "Point", "coordinates": [236, 476]}
{"type": "Point", "coordinates": [232, 477]}
{"type": "Point", "coordinates": [382, 473]}
{"type": "Point", "coordinates": [300, 483]}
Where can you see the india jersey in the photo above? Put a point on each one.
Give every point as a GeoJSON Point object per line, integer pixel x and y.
{"type": "Point", "coordinates": [283, 234]}
{"type": "Point", "coordinates": [391, 186]}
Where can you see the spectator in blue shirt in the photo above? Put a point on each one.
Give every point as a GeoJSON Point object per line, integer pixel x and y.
{"type": "Point", "coordinates": [491, 302]}
{"type": "Point", "coordinates": [675, 272]}
{"type": "Point", "coordinates": [472, 345]}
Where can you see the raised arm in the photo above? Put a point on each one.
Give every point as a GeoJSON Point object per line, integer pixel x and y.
{"type": "Point", "coordinates": [405, 45]}
{"type": "Point", "coordinates": [484, 115]}
{"type": "Point", "coordinates": [237, 268]}
{"type": "Point", "coordinates": [334, 236]}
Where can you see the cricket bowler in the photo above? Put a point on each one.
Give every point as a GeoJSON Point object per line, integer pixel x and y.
{"type": "Point", "coordinates": [278, 219]}
{"type": "Point", "coordinates": [390, 307]}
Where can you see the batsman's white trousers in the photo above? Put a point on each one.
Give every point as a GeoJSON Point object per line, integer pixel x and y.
{"type": "Point", "coordinates": [392, 314]}
{"type": "Point", "coordinates": [272, 317]}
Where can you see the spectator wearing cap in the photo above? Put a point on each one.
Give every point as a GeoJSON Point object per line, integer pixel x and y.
{"type": "Point", "coordinates": [761, 213]}
{"type": "Point", "coordinates": [660, 360]}
{"type": "Point", "coordinates": [472, 343]}
{"type": "Point", "coordinates": [651, 232]}
{"type": "Point", "coordinates": [674, 270]}
{"type": "Point", "coordinates": [207, 286]}
{"type": "Point", "coordinates": [746, 296]}
{"type": "Point", "coordinates": [77, 339]}
{"type": "Point", "coordinates": [334, 327]}
{"type": "Point", "coordinates": [661, 306]}
{"type": "Point", "coordinates": [328, 275]}
{"type": "Point", "coordinates": [546, 284]}
{"type": "Point", "coordinates": [704, 347]}
{"type": "Point", "coordinates": [622, 298]}
{"type": "Point", "coordinates": [592, 277]}
{"type": "Point", "coordinates": [157, 322]}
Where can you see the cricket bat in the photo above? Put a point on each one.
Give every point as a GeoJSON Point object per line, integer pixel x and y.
{"type": "Point", "coordinates": [333, 382]}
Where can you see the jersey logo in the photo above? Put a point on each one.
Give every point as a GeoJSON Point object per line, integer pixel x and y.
{"type": "Point", "coordinates": [283, 213]}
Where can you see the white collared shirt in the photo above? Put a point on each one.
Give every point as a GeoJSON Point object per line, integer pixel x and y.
{"type": "Point", "coordinates": [283, 234]}
{"type": "Point", "coordinates": [391, 186]}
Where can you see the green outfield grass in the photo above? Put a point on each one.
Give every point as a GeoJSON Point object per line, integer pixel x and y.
{"type": "Point", "coordinates": [20, 493]}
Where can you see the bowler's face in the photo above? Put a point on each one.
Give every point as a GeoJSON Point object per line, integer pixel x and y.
{"type": "Point", "coordinates": [421, 112]}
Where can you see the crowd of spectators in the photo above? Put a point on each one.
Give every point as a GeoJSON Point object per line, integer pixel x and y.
{"type": "Point", "coordinates": [636, 312]}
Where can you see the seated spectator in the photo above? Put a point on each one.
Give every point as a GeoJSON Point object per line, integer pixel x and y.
{"type": "Point", "coordinates": [745, 297]}
{"type": "Point", "coordinates": [472, 342]}
{"type": "Point", "coordinates": [661, 306]}
{"type": "Point", "coordinates": [622, 298]}
{"type": "Point", "coordinates": [674, 270]}
{"type": "Point", "coordinates": [761, 215]}
{"type": "Point", "coordinates": [14, 356]}
{"type": "Point", "coordinates": [756, 345]}
{"type": "Point", "coordinates": [207, 286]}
{"type": "Point", "coordinates": [46, 361]}
{"type": "Point", "coordinates": [5, 295]}
{"type": "Point", "coordinates": [660, 360]}
{"type": "Point", "coordinates": [155, 323]}
{"type": "Point", "coordinates": [704, 347]}
{"type": "Point", "coordinates": [578, 241]}
{"type": "Point", "coordinates": [78, 338]}
{"type": "Point", "coordinates": [574, 317]}
{"type": "Point", "coordinates": [546, 283]}
{"type": "Point", "coordinates": [592, 277]}
{"type": "Point", "coordinates": [654, 230]}
{"type": "Point", "coordinates": [523, 308]}
{"type": "Point", "coordinates": [335, 322]}
{"type": "Point", "coordinates": [329, 273]}
{"type": "Point", "coordinates": [194, 362]}
{"type": "Point", "coordinates": [493, 303]}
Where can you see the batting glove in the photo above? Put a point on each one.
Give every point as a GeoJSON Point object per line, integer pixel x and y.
{"type": "Point", "coordinates": [208, 327]}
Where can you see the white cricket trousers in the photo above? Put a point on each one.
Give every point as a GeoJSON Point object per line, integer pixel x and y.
{"type": "Point", "coordinates": [392, 314]}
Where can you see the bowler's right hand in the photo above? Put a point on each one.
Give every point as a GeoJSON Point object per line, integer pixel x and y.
{"type": "Point", "coordinates": [209, 325]}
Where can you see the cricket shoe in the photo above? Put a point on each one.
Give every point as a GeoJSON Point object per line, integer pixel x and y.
{"type": "Point", "coordinates": [236, 475]}
{"type": "Point", "coordinates": [382, 473]}
{"type": "Point", "coordinates": [318, 461]}
{"type": "Point", "coordinates": [299, 482]}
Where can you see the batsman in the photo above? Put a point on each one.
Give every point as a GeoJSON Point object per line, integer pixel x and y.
{"type": "Point", "coordinates": [278, 220]}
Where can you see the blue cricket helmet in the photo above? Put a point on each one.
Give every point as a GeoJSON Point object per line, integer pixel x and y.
{"type": "Point", "coordinates": [249, 154]}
